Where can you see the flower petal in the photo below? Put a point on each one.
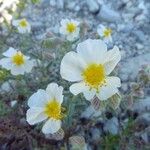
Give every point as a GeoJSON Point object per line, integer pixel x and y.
{"type": "Point", "coordinates": [100, 30]}
{"type": "Point", "coordinates": [15, 23]}
{"type": "Point", "coordinates": [108, 39]}
{"type": "Point", "coordinates": [106, 92]}
{"type": "Point", "coordinates": [109, 89]}
{"type": "Point", "coordinates": [92, 51]}
{"type": "Point", "coordinates": [64, 22]}
{"type": "Point", "coordinates": [89, 94]}
{"type": "Point", "coordinates": [111, 59]}
{"type": "Point", "coordinates": [38, 99]}
{"type": "Point", "coordinates": [10, 52]}
{"type": "Point", "coordinates": [55, 91]}
{"type": "Point", "coordinates": [51, 126]}
{"type": "Point", "coordinates": [28, 65]}
{"type": "Point", "coordinates": [71, 67]}
{"type": "Point", "coordinates": [17, 70]}
{"type": "Point", "coordinates": [6, 63]}
{"type": "Point", "coordinates": [113, 81]}
{"type": "Point", "coordinates": [77, 88]}
{"type": "Point", "coordinates": [35, 115]}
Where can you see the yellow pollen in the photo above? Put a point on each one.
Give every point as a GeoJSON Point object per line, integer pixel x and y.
{"type": "Point", "coordinates": [94, 75]}
{"type": "Point", "coordinates": [18, 59]}
{"type": "Point", "coordinates": [107, 32]}
{"type": "Point", "coordinates": [71, 27]}
{"type": "Point", "coordinates": [53, 109]}
{"type": "Point", "coordinates": [23, 23]}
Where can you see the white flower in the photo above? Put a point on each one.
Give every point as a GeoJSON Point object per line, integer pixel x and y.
{"type": "Point", "coordinates": [104, 33]}
{"type": "Point", "coordinates": [70, 28]}
{"type": "Point", "coordinates": [45, 105]}
{"type": "Point", "coordinates": [22, 25]}
{"type": "Point", "coordinates": [16, 62]}
{"type": "Point", "coordinates": [90, 67]}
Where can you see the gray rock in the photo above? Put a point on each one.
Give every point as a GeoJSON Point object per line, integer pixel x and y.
{"type": "Point", "coordinates": [142, 105]}
{"type": "Point", "coordinates": [90, 112]}
{"type": "Point", "coordinates": [60, 4]}
{"type": "Point", "coordinates": [93, 6]}
{"type": "Point", "coordinates": [96, 133]}
{"type": "Point", "coordinates": [130, 67]}
{"type": "Point", "coordinates": [125, 28]}
{"type": "Point", "coordinates": [53, 3]}
{"type": "Point", "coordinates": [112, 126]}
{"type": "Point", "coordinates": [139, 35]}
{"type": "Point", "coordinates": [145, 135]}
{"type": "Point", "coordinates": [7, 86]}
{"type": "Point", "coordinates": [109, 15]}
{"type": "Point", "coordinates": [45, 3]}
{"type": "Point", "coordinates": [71, 5]}
{"type": "Point", "coordinates": [144, 118]}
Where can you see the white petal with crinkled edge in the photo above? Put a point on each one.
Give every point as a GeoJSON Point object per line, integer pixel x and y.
{"type": "Point", "coordinates": [73, 36]}
{"type": "Point", "coordinates": [113, 81]}
{"type": "Point", "coordinates": [100, 30]}
{"type": "Point", "coordinates": [51, 126]}
{"type": "Point", "coordinates": [111, 58]}
{"type": "Point", "coordinates": [55, 92]}
{"type": "Point", "coordinates": [63, 30]}
{"type": "Point", "coordinates": [77, 88]}
{"type": "Point", "coordinates": [92, 51]}
{"type": "Point", "coordinates": [89, 95]}
{"type": "Point", "coordinates": [15, 23]}
{"type": "Point", "coordinates": [63, 22]}
{"type": "Point", "coordinates": [35, 115]}
{"type": "Point", "coordinates": [22, 30]}
{"type": "Point", "coordinates": [17, 70]}
{"type": "Point", "coordinates": [29, 64]}
{"type": "Point", "coordinates": [108, 39]}
{"type": "Point", "coordinates": [6, 63]}
{"type": "Point", "coordinates": [10, 52]}
{"type": "Point", "coordinates": [72, 65]}
{"type": "Point", "coordinates": [108, 90]}
{"type": "Point", "coordinates": [75, 22]}
{"type": "Point", "coordinates": [38, 99]}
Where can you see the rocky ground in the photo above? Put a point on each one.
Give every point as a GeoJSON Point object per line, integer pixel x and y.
{"type": "Point", "coordinates": [130, 22]}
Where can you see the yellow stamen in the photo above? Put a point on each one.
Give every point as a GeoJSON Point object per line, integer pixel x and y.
{"type": "Point", "coordinates": [53, 109]}
{"type": "Point", "coordinates": [18, 59]}
{"type": "Point", "coordinates": [94, 75]}
{"type": "Point", "coordinates": [71, 27]}
{"type": "Point", "coordinates": [107, 32]}
{"type": "Point", "coordinates": [23, 23]}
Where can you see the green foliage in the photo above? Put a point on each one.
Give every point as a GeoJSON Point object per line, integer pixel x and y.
{"type": "Point", "coordinates": [35, 1]}
{"type": "Point", "coordinates": [3, 75]}
{"type": "Point", "coordinates": [51, 43]}
{"type": "Point", "coordinates": [4, 110]}
{"type": "Point", "coordinates": [129, 128]}
{"type": "Point", "coordinates": [111, 142]}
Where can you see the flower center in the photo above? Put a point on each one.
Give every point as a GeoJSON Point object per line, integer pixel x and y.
{"type": "Point", "coordinates": [71, 27]}
{"type": "Point", "coordinates": [23, 23]}
{"type": "Point", "coordinates": [53, 110]}
{"type": "Point", "coordinates": [94, 75]}
{"type": "Point", "coordinates": [107, 32]}
{"type": "Point", "coordinates": [18, 59]}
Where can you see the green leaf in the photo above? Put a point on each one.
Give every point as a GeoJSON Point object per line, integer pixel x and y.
{"type": "Point", "coordinates": [35, 1]}
{"type": "Point", "coordinates": [51, 43]}
{"type": "Point", "coordinates": [114, 101]}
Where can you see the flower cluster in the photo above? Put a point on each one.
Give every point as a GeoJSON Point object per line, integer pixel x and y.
{"type": "Point", "coordinates": [89, 68]}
